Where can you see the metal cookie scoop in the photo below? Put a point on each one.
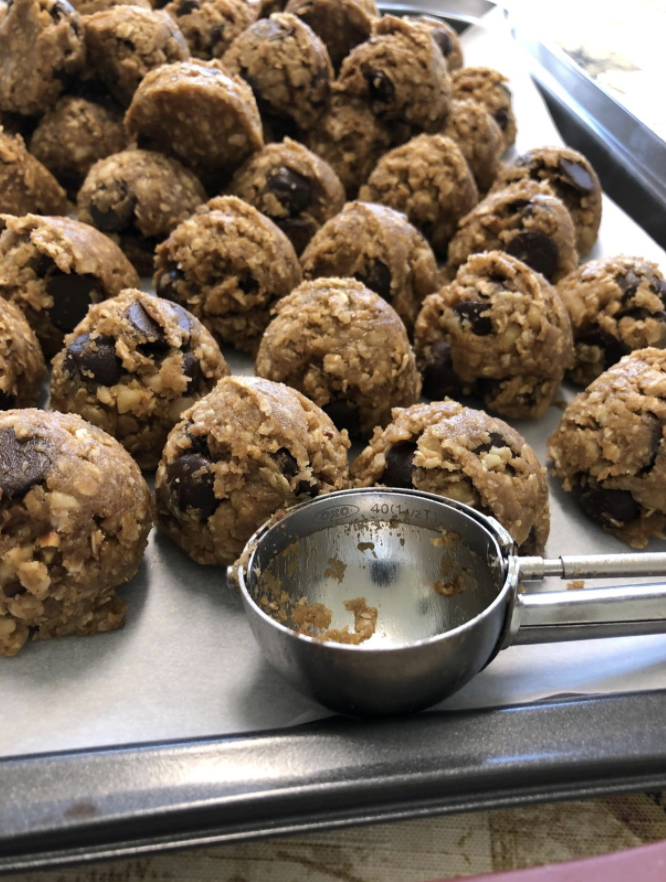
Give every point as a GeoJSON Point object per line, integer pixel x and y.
{"type": "Point", "coordinates": [424, 592]}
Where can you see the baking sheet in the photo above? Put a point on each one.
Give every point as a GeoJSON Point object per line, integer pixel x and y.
{"type": "Point", "coordinates": [186, 664]}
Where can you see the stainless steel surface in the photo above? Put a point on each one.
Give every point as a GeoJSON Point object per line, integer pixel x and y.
{"type": "Point", "coordinates": [594, 566]}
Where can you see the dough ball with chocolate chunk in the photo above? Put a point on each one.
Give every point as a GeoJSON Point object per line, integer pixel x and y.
{"type": "Point", "coordinates": [137, 198]}
{"type": "Point", "coordinates": [527, 221]}
{"type": "Point", "coordinates": [41, 50]}
{"type": "Point", "coordinates": [228, 264]}
{"type": "Point", "coordinates": [288, 68]}
{"type": "Point", "coordinates": [22, 367]}
{"type": "Point", "coordinates": [445, 36]}
{"type": "Point", "coordinates": [341, 24]}
{"type": "Point", "coordinates": [211, 26]}
{"type": "Point", "coordinates": [54, 268]}
{"type": "Point", "coordinates": [90, 7]}
{"type": "Point", "coordinates": [72, 136]}
{"type": "Point", "coordinates": [198, 112]}
{"type": "Point", "coordinates": [25, 184]}
{"type": "Point", "coordinates": [430, 181]}
{"type": "Point", "coordinates": [378, 247]}
{"type": "Point", "coordinates": [132, 366]}
{"type": "Point", "coordinates": [571, 178]}
{"type": "Point", "coordinates": [292, 186]}
{"type": "Point", "coordinates": [75, 513]}
{"type": "Point", "coordinates": [616, 305]}
{"type": "Point", "coordinates": [126, 42]}
{"type": "Point", "coordinates": [346, 349]}
{"type": "Point", "coordinates": [479, 138]}
{"type": "Point", "coordinates": [487, 87]}
{"type": "Point", "coordinates": [245, 451]}
{"type": "Point", "coordinates": [351, 139]}
{"type": "Point", "coordinates": [498, 331]}
{"type": "Point", "coordinates": [400, 73]}
{"type": "Point", "coordinates": [465, 455]}
{"type": "Point", "coordinates": [610, 448]}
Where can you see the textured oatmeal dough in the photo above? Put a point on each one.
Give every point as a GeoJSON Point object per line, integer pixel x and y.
{"type": "Point", "coordinates": [340, 24]}
{"type": "Point", "coordinates": [25, 184]}
{"type": "Point", "coordinates": [430, 181]}
{"type": "Point", "coordinates": [527, 221]}
{"type": "Point", "coordinates": [479, 137]}
{"type": "Point", "coordinates": [132, 366]}
{"type": "Point", "coordinates": [199, 112]}
{"type": "Point", "coordinates": [211, 26]}
{"type": "Point", "coordinates": [138, 197]}
{"type": "Point", "coordinates": [293, 187]}
{"type": "Point", "coordinates": [616, 305]}
{"type": "Point", "coordinates": [571, 178]}
{"type": "Point", "coordinates": [610, 449]}
{"type": "Point", "coordinates": [445, 37]}
{"type": "Point", "coordinates": [346, 349]}
{"type": "Point", "coordinates": [242, 453]}
{"type": "Point", "coordinates": [75, 514]}
{"type": "Point", "coordinates": [287, 66]}
{"type": "Point", "coordinates": [53, 268]}
{"type": "Point", "coordinates": [400, 73]}
{"type": "Point", "coordinates": [487, 87]}
{"type": "Point", "coordinates": [379, 247]}
{"type": "Point", "coordinates": [466, 455]}
{"type": "Point", "coordinates": [90, 7]}
{"type": "Point", "coordinates": [41, 47]}
{"type": "Point", "coordinates": [498, 330]}
{"type": "Point", "coordinates": [228, 264]}
{"type": "Point", "coordinates": [22, 367]}
{"type": "Point", "coordinates": [72, 136]}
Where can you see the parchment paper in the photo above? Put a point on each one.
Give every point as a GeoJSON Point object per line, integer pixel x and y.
{"type": "Point", "coordinates": [186, 664]}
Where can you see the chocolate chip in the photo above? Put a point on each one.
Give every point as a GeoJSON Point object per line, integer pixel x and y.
{"type": "Point", "coordinates": [443, 41]}
{"type": "Point", "coordinates": [184, 317]}
{"type": "Point", "coordinates": [501, 117]}
{"type": "Point", "coordinates": [216, 35]}
{"type": "Point", "coordinates": [518, 206]}
{"type": "Point", "coordinates": [628, 283]}
{"type": "Point", "coordinates": [7, 401]}
{"type": "Point", "coordinates": [304, 488]}
{"type": "Point", "coordinates": [14, 589]}
{"type": "Point", "coordinates": [640, 313]}
{"type": "Point", "coordinates": [166, 284]}
{"type": "Point", "coordinates": [577, 175]}
{"type": "Point", "coordinates": [270, 29]}
{"type": "Point", "coordinates": [72, 295]}
{"type": "Point", "coordinates": [377, 277]}
{"type": "Point", "coordinates": [191, 369]}
{"type": "Point", "coordinates": [22, 463]}
{"type": "Point", "coordinates": [439, 378]}
{"type": "Point", "coordinates": [118, 211]}
{"type": "Point", "coordinates": [470, 311]}
{"type": "Point", "coordinates": [143, 323]}
{"type": "Point", "coordinates": [287, 463]}
{"type": "Point", "coordinates": [299, 230]}
{"type": "Point", "coordinates": [400, 465]}
{"type": "Point", "coordinates": [94, 359]}
{"type": "Point", "coordinates": [186, 7]}
{"type": "Point", "coordinates": [380, 87]}
{"type": "Point", "coordinates": [605, 506]}
{"type": "Point", "coordinates": [613, 349]}
{"type": "Point", "coordinates": [200, 445]}
{"type": "Point", "coordinates": [535, 249]}
{"type": "Point", "coordinates": [344, 415]}
{"type": "Point", "coordinates": [496, 440]}
{"type": "Point", "coordinates": [488, 388]}
{"type": "Point", "coordinates": [292, 189]}
{"type": "Point", "coordinates": [247, 283]}
{"type": "Point", "coordinates": [655, 434]}
{"type": "Point", "coordinates": [61, 10]}
{"type": "Point", "coordinates": [192, 483]}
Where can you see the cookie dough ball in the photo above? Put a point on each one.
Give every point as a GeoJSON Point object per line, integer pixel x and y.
{"type": "Point", "coordinates": [400, 73]}
{"type": "Point", "coordinates": [487, 87]}
{"type": "Point", "coordinates": [341, 24]}
{"type": "Point", "coordinates": [499, 331]}
{"type": "Point", "coordinates": [240, 454]}
{"type": "Point", "coordinates": [479, 138]}
{"type": "Point", "coordinates": [74, 522]}
{"type": "Point", "coordinates": [199, 112]}
{"type": "Point", "coordinates": [527, 221]}
{"type": "Point", "coordinates": [41, 48]}
{"type": "Point", "coordinates": [445, 36]}
{"type": "Point", "coordinates": [571, 178]}
{"type": "Point", "coordinates": [465, 455]}
{"type": "Point", "coordinates": [428, 179]}
{"type": "Point", "coordinates": [287, 66]}
{"type": "Point", "coordinates": [126, 42]}
{"type": "Point", "coordinates": [90, 7]}
{"type": "Point", "coordinates": [351, 139]}
{"type": "Point", "coordinates": [22, 367]}
{"type": "Point", "coordinates": [25, 184]}
{"type": "Point", "coordinates": [610, 448]}
{"type": "Point", "coordinates": [72, 136]}
{"type": "Point", "coordinates": [616, 305]}
{"type": "Point", "coordinates": [228, 264]}
{"type": "Point", "coordinates": [132, 366]}
{"type": "Point", "coordinates": [292, 186]}
{"type": "Point", "coordinates": [53, 268]}
{"type": "Point", "coordinates": [211, 26]}
{"type": "Point", "coordinates": [268, 7]}
{"type": "Point", "coordinates": [378, 247]}
{"type": "Point", "coordinates": [346, 349]}
{"type": "Point", "coordinates": [138, 197]}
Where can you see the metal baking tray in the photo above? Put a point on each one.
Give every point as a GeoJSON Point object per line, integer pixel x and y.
{"type": "Point", "coordinates": [130, 742]}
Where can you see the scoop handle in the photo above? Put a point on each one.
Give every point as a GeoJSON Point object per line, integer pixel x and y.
{"type": "Point", "coordinates": [593, 566]}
